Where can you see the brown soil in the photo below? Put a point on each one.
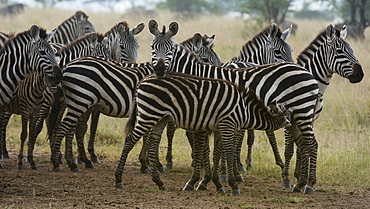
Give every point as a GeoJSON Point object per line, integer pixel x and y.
{"type": "Point", "coordinates": [93, 188]}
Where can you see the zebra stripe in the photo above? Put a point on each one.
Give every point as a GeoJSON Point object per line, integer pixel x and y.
{"type": "Point", "coordinates": [192, 103]}
{"type": "Point", "coordinates": [73, 28]}
{"type": "Point", "coordinates": [298, 92]}
{"type": "Point", "coordinates": [92, 81]}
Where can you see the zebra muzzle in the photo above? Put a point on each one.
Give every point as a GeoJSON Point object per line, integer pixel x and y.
{"type": "Point", "coordinates": [160, 69]}
{"type": "Point", "coordinates": [357, 75]}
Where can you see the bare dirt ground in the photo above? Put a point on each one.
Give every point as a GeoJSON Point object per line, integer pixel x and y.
{"type": "Point", "coordinates": [93, 188]}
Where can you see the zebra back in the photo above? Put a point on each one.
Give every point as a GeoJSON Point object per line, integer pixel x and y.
{"type": "Point", "coordinates": [73, 28]}
{"type": "Point", "coordinates": [91, 44]}
{"type": "Point", "coordinates": [122, 41]}
{"type": "Point", "coordinates": [25, 53]}
{"type": "Point", "coordinates": [203, 47]}
{"type": "Point", "coordinates": [3, 38]}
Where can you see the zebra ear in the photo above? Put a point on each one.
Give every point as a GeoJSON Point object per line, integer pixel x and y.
{"type": "Point", "coordinates": [197, 40]}
{"type": "Point", "coordinates": [210, 40]}
{"type": "Point", "coordinates": [273, 31]}
{"type": "Point", "coordinates": [93, 39]}
{"type": "Point", "coordinates": [330, 33]}
{"type": "Point", "coordinates": [174, 27]}
{"type": "Point", "coordinates": [35, 33]}
{"type": "Point", "coordinates": [153, 27]}
{"type": "Point", "coordinates": [50, 34]}
{"type": "Point", "coordinates": [286, 34]}
{"type": "Point", "coordinates": [343, 32]}
{"type": "Point", "coordinates": [79, 16]}
{"type": "Point", "coordinates": [121, 28]}
{"type": "Point", "coordinates": [136, 30]}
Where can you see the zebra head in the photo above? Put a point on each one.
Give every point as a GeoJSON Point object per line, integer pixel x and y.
{"type": "Point", "coordinates": [340, 56]}
{"type": "Point", "coordinates": [83, 25]}
{"type": "Point", "coordinates": [279, 49]}
{"type": "Point", "coordinates": [41, 56]}
{"type": "Point", "coordinates": [162, 47]}
{"type": "Point", "coordinates": [128, 44]}
{"type": "Point", "coordinates": [203, 47]}
{"type": "Point", "coordinates": [97, 46]}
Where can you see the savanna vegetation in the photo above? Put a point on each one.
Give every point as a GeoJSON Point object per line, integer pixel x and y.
{"type": "Point", "coordinates": [342, 131]}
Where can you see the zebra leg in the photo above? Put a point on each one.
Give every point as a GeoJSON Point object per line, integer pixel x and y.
{"type": "Point", "coordinates": [250, 142]}
{"type": "Point", "coordinates": [138, 131]}
{"type": "Point", "coordinates": [171, 128]}
{"type": "Point", "coordinates": [153, 144]}
{"type": "Point", "coordinates": [207, 165]}
{"type": "Point", "coordinates": [190, 136]}
{"type": "Point", "coordinates": [31, 141]}
{"type": "Point", "coordinates": [288, 154]}
{"type": "Point", "coordinates": [217, 155]}
{"type": "Point", "coordinates": [23, 139]}
{"type": "Point", "coordinates": [199, 141]}
{"type": "Point", "coordinates": [143, 156]}
{"type": "Point", "coordinates": [93, 127]}
{"type": "Point", "coordinates": [80, 135]}
{"type": "Point", "coordinates": [3, 152]}
{"type": "Point", "coordinates": [239, 136]}
{"type": "Point", "coordinates": [275, 149]}
{"type": "Point", "coordinates": [312, 174]}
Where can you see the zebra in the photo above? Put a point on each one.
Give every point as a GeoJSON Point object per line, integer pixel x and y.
{"type": "Point", "coordinates": [73, 28]}
{"type": "Point", "coordinates": [123, 47]}
{"type": "Point", "coordinates": [288, 85]}
{"type": "Point", "coordinates": [326, 55]}
{"type": "Point", "coordinates": [33, 98]}
{"type": "Point", "coordinates": [23, 54]}
{"type": "Point", "coordinates": [193, 103]}
{"type": "Point", "coordinates": [93, 82]}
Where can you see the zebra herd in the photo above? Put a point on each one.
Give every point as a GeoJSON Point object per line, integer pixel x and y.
{"type": "Point", "coordinates": [71, 73]}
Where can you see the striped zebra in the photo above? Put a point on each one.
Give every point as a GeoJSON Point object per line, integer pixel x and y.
{"type": "Point", "coordinates": [123, 47]}
{"type": "Point", "coordinates": [33, 98]}
{"type": "Point", "coordinates": [26, 52]}
{"type": "Point", "coordinates": [326, 55]}
{"type": "Point", "coordinates": [73, 28]}
{"type": "Point", "coordinates": [287, 85]}
{"type": "Point", "coordinates": [3, 38]}
{"type": "Point", "coordinates": [87, 82]}
{"type": "Point", "coordinates": [196, 104]}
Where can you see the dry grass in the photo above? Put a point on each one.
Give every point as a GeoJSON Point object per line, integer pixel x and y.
{"type": "Point", "coordinates": [342, 130]}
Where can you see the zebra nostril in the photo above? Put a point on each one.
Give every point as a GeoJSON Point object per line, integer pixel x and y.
{"type": "Point", "coordinates": [160, 69]}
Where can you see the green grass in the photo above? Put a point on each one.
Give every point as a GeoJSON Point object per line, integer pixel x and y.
{"type": "Point", "coordinates": [342, 130]}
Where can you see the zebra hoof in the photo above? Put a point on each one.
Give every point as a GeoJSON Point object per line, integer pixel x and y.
{"type": "Point", "coordinates": [79, 161]}
{"type": "Point", "coordinates": [60, 161]}
{"type": "Point", "coordinates": [75, 170]}
{"type": "Point", "coordinates": [163, 188]}
{"type": "Point", "coordinates": [242, 169]}
{"type": "Point", "coordinates": [91, 166]}
{"type": "Point", "coordinates": [236, 192]}
{"type": "Point", "coordinates": [58, 169]}
{"type": "Point", "coordinates": [308, 190]}
{"type": "Point", "coordinates": [239, 178]}
{"type": "Point", "coordinates": [286, 185]}
{"type": "Point", "coordinates": [201, 187]}
{"type": "Point", "coordinates": [221, 190]}
{"type": "Point", "coordinates": [295, 189]}
{"type": "Point", "coordinates": [169, 166]}
{"type": "Point", "coordinates": [94, 160]}
{"type": "Point", "coordinates": [147, 170]}
{"type": "Point", "coordinates": [1, 165]}
{"type": "Point", "coordinates": [118, 185]}
{"type": "Point", "coordinates": [188, 187]}
{"type": "Point", "coordinates": [33, 167]}
{"type": "Point", "coordinates": [161, 170]}
{"type": "Point", "coordinates": [19, 167]}
{"type": "Point", "coordinates": [223, 178]}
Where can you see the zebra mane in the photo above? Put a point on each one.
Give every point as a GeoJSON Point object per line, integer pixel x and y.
{"type": "Point", "coordinates": [12, 36]}
{"type": "Point", "coordinates": [114, 28]}
{"type": "Point", "coordinates": [205, 41]}
{"type": "Point", "coordinates": [76, 42]}
{"type": "Point", "coordinates": [192, 54]}
{"type": "Point", "coordinates": [255, 39]}
{"type": "Point", "coordinates": [310, 50]}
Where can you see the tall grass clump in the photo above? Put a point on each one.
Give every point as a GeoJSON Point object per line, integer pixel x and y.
{"type": "Point", "coordinates": [342, 130]}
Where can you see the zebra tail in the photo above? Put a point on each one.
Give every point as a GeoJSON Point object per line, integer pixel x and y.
{"type": "Point", "coordinates": [131, 120]}
{"type": "Point", "coordinates": [54, 112]}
